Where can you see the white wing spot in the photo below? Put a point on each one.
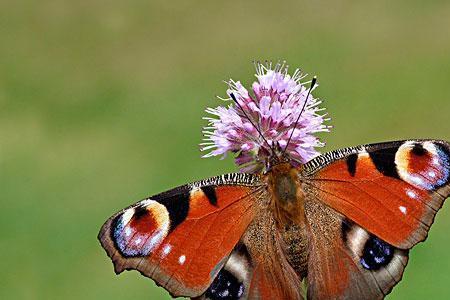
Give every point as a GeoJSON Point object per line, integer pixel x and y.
{"type": "Point", "coordinates": [138, 241]}
{"type": "Point", "coordinates": [127, 231]}
{"type": "Point", "coordinates": [411, 194]}
{"type": "Point", "coordinates": [432, 174]}
{"type": "Point", "coordinates": [402, 209]}
{"type": "Point", "coordinates": [224, 294]}
{"type": "Point", "coordinates": [194, 189]}
{"type": "Point", "coordinates": [436, 161]}
{"type": "Point", "coordinates": [166, 250]}
{"type": "Point", "coordinates": [363, 154]}
{"type": "Point", "coordinates": [182, 259]}
{"type": "Point", "coordinates": [417, 180]}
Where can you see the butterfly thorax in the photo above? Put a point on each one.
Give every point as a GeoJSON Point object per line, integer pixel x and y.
{"type": "Point", "coordinates": [287, 197]}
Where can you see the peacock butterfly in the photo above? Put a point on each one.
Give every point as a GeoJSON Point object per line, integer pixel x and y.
{"type": "Point", "coordinates": [338, 226]}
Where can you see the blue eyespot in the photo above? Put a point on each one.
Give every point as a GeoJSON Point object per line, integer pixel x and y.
{"type": "Point", "coordinates": [376, 254]}
{"type": "Point", "coordinates": [225, 287]}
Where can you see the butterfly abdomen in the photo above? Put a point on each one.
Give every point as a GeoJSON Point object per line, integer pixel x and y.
{"type": "Point", "coordinates": [296, 241]}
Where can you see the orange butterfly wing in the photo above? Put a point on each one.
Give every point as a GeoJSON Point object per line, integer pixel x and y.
{"type": "Point", "coordinates": [183, 237]}
{"type": "Point", "coordinates": [393, 190]}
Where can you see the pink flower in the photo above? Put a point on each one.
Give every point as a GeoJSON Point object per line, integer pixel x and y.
{"type": "Point", "coordinates": [256, 122]}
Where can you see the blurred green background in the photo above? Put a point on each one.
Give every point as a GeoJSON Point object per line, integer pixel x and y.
{"type": "Point", "coordinates": [101, 104]}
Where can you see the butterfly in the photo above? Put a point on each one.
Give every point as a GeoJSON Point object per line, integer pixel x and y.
{"type": "Point", "coordinates": [342, 223]}
{"type": "Point", "coordinates": [337, 227]}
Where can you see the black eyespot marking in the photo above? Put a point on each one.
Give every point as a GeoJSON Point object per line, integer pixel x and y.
{"type": "Point", "coordinates": [376, 254]}
{"type": "Point", "coordinates": [210, 193]}
{"type": "Point", "coordinates": [116, 231]}
{"type": "Point", "coordinates": [177, 204]}
{"type": "Point", "coordinates": [351, 164]}
{"type": "Point", "coordinates": [384, 161]}
{"type": "Point", "coordinates": [139, 212]}
{"type": "Point", "coordinates": [225, 287]}
{"type": "Point", "coordinates": [418, 150]}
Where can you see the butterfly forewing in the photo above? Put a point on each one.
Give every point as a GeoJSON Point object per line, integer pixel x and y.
{"type": "Point", "coordinates": [183, 237]}
{"type": "Point", "coordinates": [393, 190]}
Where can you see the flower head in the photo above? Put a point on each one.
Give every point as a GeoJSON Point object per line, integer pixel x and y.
{"type": "Point", "coordinates": [258, 122]}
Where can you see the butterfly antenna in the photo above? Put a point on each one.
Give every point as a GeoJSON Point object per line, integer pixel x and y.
{"type": "Point", "coordinates": [313, 83]}
{"type": "Point", "coordinates": [250, 120]}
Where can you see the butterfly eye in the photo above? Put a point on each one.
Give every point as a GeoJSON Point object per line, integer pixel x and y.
{"type": "Point", "coordinates": [376, 254]}
{"type": "Point", "coordinates": [225, 287]}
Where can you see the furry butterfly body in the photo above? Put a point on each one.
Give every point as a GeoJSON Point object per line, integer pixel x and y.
{"type": "Point", "coordinates": [343, 223]}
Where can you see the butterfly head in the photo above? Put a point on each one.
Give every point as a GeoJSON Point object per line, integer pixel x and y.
{"type": "Point", "coordinates": [274, 123]}
{"type": "Point", "coordinates": [277, 157]}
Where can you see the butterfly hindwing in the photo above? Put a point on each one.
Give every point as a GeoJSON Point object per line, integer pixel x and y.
{"type": "Point", "coordinates": [183, 237]}
{"type": "Point", "coordinates": [249, 276]}
{"type": "Point", "coordinates": [392, 190]}
{"type": "Point", "coordinates": [345, 261]}
{"type": "Point", "coordinates": [233, 280]}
